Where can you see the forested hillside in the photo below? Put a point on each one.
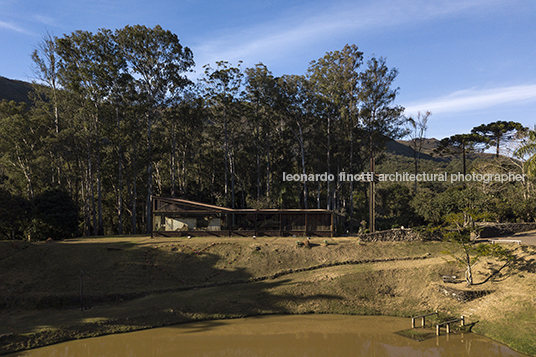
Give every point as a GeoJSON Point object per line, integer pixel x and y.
{"type": "Point", "coordinates": [17, 91]}
{"type": "Point", "coordinates": [119, 118]}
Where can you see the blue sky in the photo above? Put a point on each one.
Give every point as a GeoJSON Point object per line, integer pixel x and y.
{"type": "Point", "coordinates": [469, 62]}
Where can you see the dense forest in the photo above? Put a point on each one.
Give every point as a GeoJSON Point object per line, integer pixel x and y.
{"type": "Point", "coordinates": [117, 117]}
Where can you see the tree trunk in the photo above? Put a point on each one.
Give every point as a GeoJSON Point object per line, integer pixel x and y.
{"type": "Point", "coordinates": [173, 160]}
{"type": "Point", "coordinates": [148, 219]}
{"type": "Point", "coordinates": [468, 271]}
{"type": "Point", "coordinates": [226, 144]}
{"type": "Point", "coordinates": [302, 149]}
{"type": "Point", "coordinates": [329, 197]}
{"type": "Point", "coordinates": [134, 191]}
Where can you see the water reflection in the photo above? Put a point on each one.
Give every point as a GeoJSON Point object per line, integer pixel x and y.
{"type": "Point", "coordinates": [308, 335]}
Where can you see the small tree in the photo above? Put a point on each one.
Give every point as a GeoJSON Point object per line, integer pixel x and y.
{"type": "Point", "coordinates": [417, 132]}
{"type": "Point", "coordinates": [467, 253]}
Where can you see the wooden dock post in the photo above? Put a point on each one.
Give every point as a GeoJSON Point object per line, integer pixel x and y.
{"type": "Point", "coordinates": [447, 324]}
{"type": "Point", "coordinates": [423, 319]}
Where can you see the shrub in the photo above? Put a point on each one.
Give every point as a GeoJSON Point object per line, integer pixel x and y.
{"type": "Point", "coordinates": [55, 216]}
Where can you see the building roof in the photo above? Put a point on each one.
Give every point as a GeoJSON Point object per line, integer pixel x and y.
{"type": "Point", "coordinates": [192, 205]}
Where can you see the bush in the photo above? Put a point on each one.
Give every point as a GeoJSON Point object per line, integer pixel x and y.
{"type": "Point", "coordinates": [13, 215]}
{"type": "Point", "coordinates": [55, 216]}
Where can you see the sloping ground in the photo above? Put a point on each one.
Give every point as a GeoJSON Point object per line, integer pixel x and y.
{"type": "Point", "coordinates": [132, 283]}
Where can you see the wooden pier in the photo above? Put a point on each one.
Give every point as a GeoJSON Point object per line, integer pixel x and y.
{"type": "Point", "coordinates": [423, 317]}
{"type": "Point", "coordinates": [447, 324]}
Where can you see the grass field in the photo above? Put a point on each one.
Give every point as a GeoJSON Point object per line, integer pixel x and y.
{"type": "Point", "coordinates": [130, 283]}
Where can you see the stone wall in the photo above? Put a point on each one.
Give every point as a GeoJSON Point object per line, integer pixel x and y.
{"type": "Point", "coordinates": [490, 230]}
{"type": "Point", "coordinates": [392, 235]}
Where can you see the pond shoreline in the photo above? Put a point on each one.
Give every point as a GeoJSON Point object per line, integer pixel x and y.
{"type": "Point", "coordinates": [316, 334]}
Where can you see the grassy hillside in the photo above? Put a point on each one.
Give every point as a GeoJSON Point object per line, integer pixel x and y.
{"type": "Point", "coordinates": [131, 283]}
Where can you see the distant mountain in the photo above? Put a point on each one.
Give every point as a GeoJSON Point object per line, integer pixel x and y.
{"type": "Point", "coordinates": [402, 148]}
{"type": "Point", "coordinates": [18, 91]}
{"type": "Point", "coordinates": [399, 158]}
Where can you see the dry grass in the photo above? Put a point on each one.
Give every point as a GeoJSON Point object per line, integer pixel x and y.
{"type": "Point", "coordinates": [40, 284]}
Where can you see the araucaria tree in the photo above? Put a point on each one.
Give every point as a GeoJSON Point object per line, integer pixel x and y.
{"type": "Point", "coordinates": [461, 144]}
{"type": "Point", "coordinates": [499, 131]}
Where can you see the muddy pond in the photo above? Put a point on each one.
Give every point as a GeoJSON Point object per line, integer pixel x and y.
{"type": "Point", "coordinates": [292, 335]}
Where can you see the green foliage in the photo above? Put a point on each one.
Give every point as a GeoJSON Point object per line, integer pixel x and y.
{"type": "Point", "coordinates": [528, 148]}
{"type": "Point", "coordinates": [119, 120]}
{"type": "Point", "coordinates": [55, 216]}
{"type": "Point", "coordinates": [499, 131]}
{"type": "Point", "coordinates": [13, 215]}
{"type": "Point", "coordinates": [394, 208]}
{"type": "Point", "coordinates": [466, 253]}
{"type": "Point", "coordinates": [430, 232]}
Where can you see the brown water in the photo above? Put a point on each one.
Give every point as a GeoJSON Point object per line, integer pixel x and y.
{"type": "Point", "coordinates": [306, 335]}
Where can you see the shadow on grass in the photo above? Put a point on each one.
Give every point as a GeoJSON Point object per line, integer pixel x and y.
{"type": "Point", "coordinates": [128, 287]}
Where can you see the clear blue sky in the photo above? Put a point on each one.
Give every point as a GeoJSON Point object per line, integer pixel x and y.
{"type": "Point", "coordinates": [469, 62]}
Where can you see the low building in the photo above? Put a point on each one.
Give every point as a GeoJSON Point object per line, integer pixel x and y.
{"type": "Point", "coordinates": [178, 217]}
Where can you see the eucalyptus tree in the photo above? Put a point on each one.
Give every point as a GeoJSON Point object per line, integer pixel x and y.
{"type": "Point", "coordinates": [222, 88]}
{"type": "Point", "coordinates": [499, 131]}
{"type": "Point", "coordinates": [298, 110]}
{"type": "Point", "coordinates": [261, 92]}
{"type": "Point", "coordinates": [335, 78]}
{"type": "Point", "coordinates": [50, 97]}
{"type": "Point", "coordinates": [23, 136]}
{"type": "Point", "coordinates": [90, 69]}
{"type": "Point", "coordinates": [380, 118]}
{"type": "Point", "coordinates": [181, 133]}
{"type": "Point", "coordinates": [157, 63]}
{"type": "Point", "coordinates": [46, 69]}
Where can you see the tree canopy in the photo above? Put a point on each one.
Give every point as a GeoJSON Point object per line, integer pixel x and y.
{"type": "Point", "coordinates": [118, 118]}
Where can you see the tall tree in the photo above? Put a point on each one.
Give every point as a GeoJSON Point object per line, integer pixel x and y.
{"type": "Point", "coordinates": [461, 144]}
{"type": "Point", "coordinates": [380, 118]}
{"type": "Point", "coordinates": [261, 91]}
{"type": "Point", "coordinates": [499, 131]}
{"type": "Point", "coordinates": [23, 136]}
{"type": "Point", "coordinates": [157, 62]}
{"type": "Point", "coordinates": [417, 133]}
{"type": "Point", "coordinates": [222, 87]}
{"type": "Point", "coordinates": [46, 69]}
{"type": "Point", "coordinates": [299, 117]}
{"type": "Point", "coordinates": [91, 68]}
{"type": "Point", "coordinates": [336, 79]}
